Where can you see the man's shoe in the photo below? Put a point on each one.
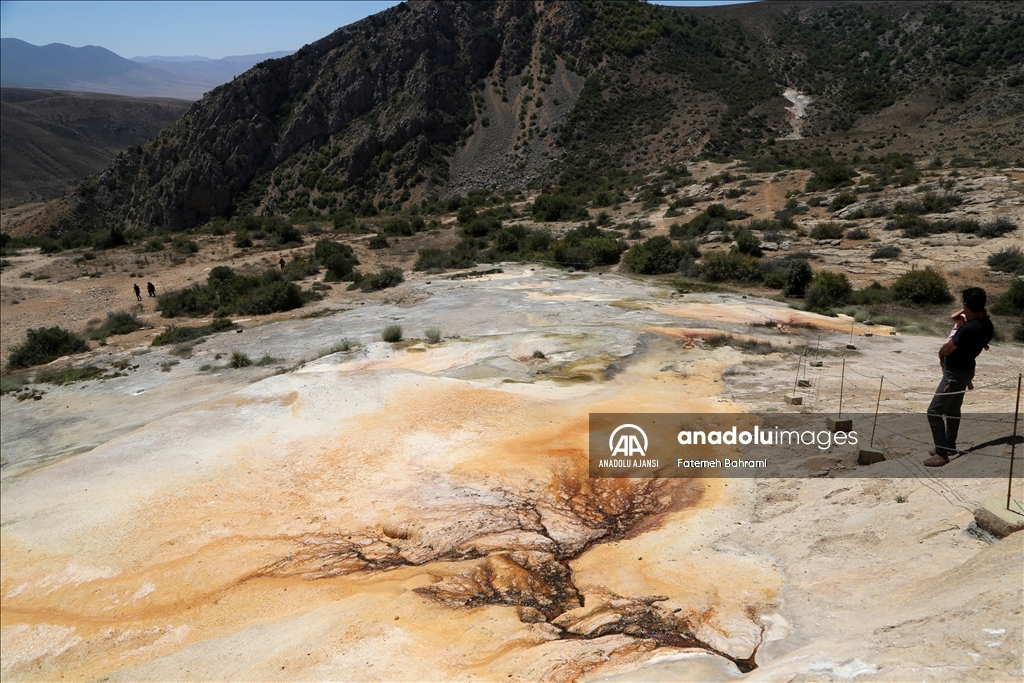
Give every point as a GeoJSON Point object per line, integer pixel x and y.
{"type": "Point", "coordinates": [936, 460]}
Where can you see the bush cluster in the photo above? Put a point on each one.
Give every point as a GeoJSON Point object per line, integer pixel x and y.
{"type": "Point", "coordinates": [827, 290]}
{"type": "Point", "coordinates": [922, 287]}
{"type": "Point", "coordinates": [122, 322]}
{"type": "Point", "coordinates": [45, 344]}
{"type": "Point", "coordinates": [387, 277]}
{"type": "Point", "coordinates": [827, 231]}
{"type": "Point", "coordinates": [654, 256]}
{"type": "Point", "coordinates": [557, 207]}
{"type": "Point", "coordinates": [913, 225]}
{"type": "Point", "coordinates": [338, 259]}
{"type": "Point", "coordinates": [1009, 260]}
{"type": "Point", "coordinates": [227, 292]}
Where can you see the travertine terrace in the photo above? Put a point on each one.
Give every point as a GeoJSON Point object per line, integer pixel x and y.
{"type": "Point", "coordinates": [345, 517]}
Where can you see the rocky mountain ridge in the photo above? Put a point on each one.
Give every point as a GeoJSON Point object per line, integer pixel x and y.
{"type": "Point", "coordinates": [429, 98]}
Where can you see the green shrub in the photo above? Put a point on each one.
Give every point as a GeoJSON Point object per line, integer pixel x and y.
{"type": "Point", "coordinates": [299, 268]}
{"type": "Point", "coordinates": [378, 241]}
{"type": "Point", "coordinates": [242, 239]}
{"type": "Point", "coordinates": [388, 277]}
{"type": "Point", "coordinates": [871, 295]}
{"type": "Point", "coordinates": [338, 259]}
{"type": "Point", "coordinates": [431, 259]}
{"type": "Point", "coordinates": [828, 176]}
{"type": "Point", "coordinates": [746, 243]}
{"type": "Point", "coordinates": [843, 200]}
{"type": "Point", "coordinates": [392, 333]}
{"type": "Point", "coordinates": [827, 231]}
{"type": "Point", "coordinates": [184, 246]}
{"type": "Point", "coordinates": [1009, 260]}
{"type": "Point", "coordinates": [556, 207]}
{"type": "Point", "coordinates": [121, 322]}
{"type": "Point", "coordinates": [827, 290]}
{"type": "Point", "coordinates": [239, 360]}
{"type": "Point", "coordinates": [798, 276]}
{"type": "Point", "coordinates": [45, 344]}
{"type": "Point", "coordinates": [888, 251]}
{"type": "Point", "coordinates": [433, 334]}
{"type": "Point", "coordinates": [227, 292]}
{"type": "Point", "coordinates": [654, 256]}
{"type": "Point", "coordinates": [922, 287]}
{"type": "Point", "coordinates": [731, 265]}
{"type": "Point", "coordinates": [1012, 301]}
{"type": "Point", "coordinates": [997, 228]}
{"type": "Point", "coordinates": [585, 247]}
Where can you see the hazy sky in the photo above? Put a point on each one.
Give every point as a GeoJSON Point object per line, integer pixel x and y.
{"type": "Point", "coordinates": [208, 29]}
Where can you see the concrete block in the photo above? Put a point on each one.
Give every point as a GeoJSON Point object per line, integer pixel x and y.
{"type": "Point", "coordinates": [851, 347]}
{"type": "Point", "coordinates": [867, 455]}
{"type": "Point", "coordinates": [816, 363]}
{"type": "Point", "coordinates": [803, 382]}
{"type": "Point", "coordinates": [838, 424]}
{"type": "Point", "coordinates": [794, 399]}
{"type": "Point", "coordinates": [994, 518]}
{"type": "Point", "coordinates": [868, 334]}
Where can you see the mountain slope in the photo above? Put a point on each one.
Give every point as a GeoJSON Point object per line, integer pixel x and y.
{"type": "Point", "coordinates": [51, 140]}
{"type": "Point", "coordinates": [429, 98]}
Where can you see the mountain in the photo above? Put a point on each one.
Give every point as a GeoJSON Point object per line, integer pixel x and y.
{"type": "Point", "coordinates": [209, 71]}
{"type": "Point", "coordinates": [96, 69]}
{"type": "Point", "coordinates": [440, 98]}
{"type": "Point", "coordinates": [51, 140]}
{"type": "Point", "coordinates": [157, 58]}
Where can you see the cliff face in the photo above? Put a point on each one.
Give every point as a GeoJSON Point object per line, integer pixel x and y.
{"type": "Point", "coordinates": [437, 98]}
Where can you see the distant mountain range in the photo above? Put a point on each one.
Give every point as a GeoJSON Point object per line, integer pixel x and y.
{"type": "Point", "coordinates": [96, 69]}
{"type": "Point", "coordinates": [51, 140]}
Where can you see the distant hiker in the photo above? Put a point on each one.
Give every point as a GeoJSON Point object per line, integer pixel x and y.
{"type": "Point", "coordinates": [138, 292]}
{"type": "Point", "coordinates": [956, 358]}
{"type": "Point", "coordinates": [281, 263]}
{"type": "Point", "coordinates": [151, 289]}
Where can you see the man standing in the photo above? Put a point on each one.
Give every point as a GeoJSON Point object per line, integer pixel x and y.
{"type": "Point", "coordinates": [138, 292]}
{"type": "Point", "coordinates": [956, 357]}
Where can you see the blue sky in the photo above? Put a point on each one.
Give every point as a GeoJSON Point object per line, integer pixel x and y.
{"type": "Point", "coordinates": [209, 29]}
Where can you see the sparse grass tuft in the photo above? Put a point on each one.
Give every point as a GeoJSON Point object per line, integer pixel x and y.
{"type": "Point", "coordinates": [392, 333]}
{"type": "Point", "coordinates": [179, 335]}
{"type": "Point", "coordinates": [69, 375]}
{"type": "Point", "coordinates": [11, 383]}
{"type": "Point", "coordinates": [433, 335]}
{"type": "Point", "coordinates": [752, 346]}
{"type": "Point", "coordinates": [239, 360]}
